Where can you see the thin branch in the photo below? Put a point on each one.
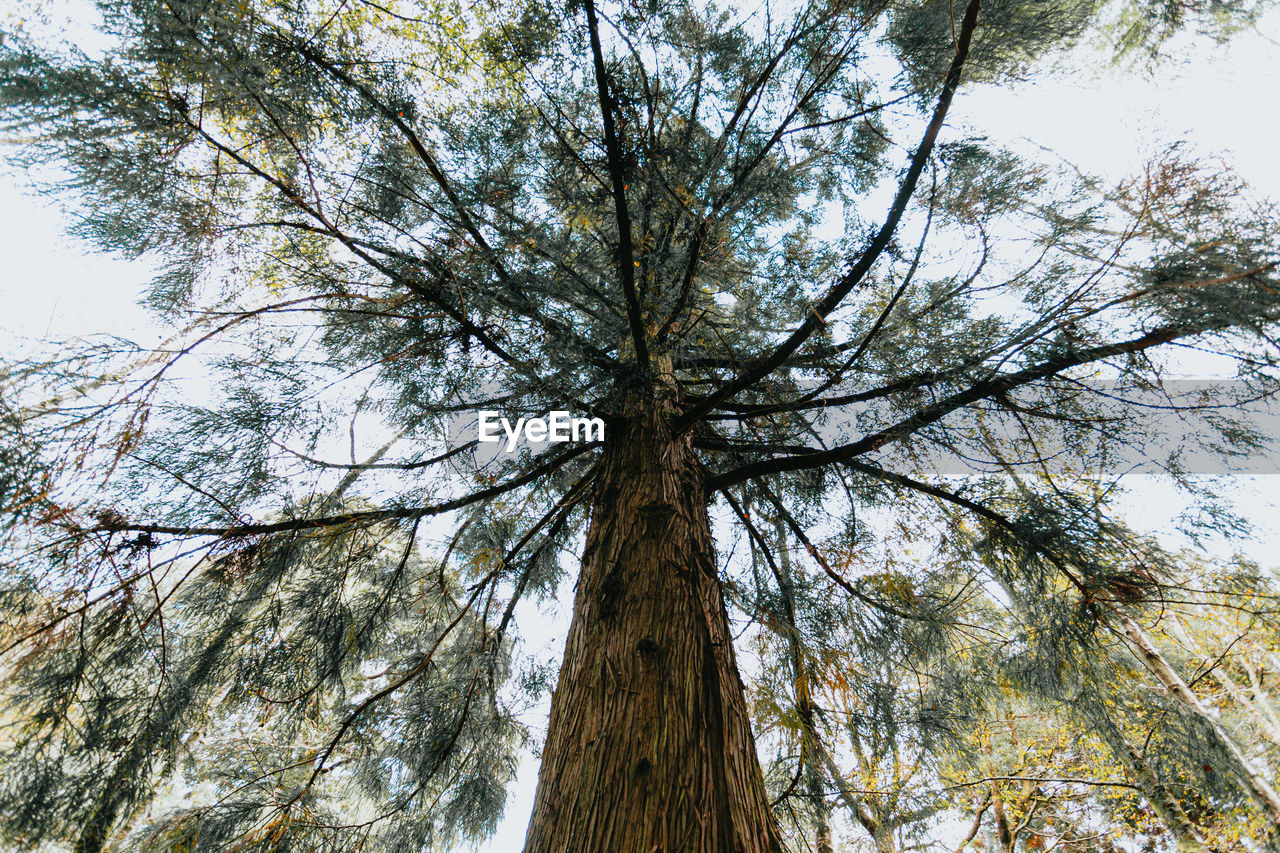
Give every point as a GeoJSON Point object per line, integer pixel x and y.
{"type": "Point", "coordinates": [364, 517]}
{"type": "Point", "coordinates": [437, 174]}
{"type": "Point", "coordinates": [998, 384]}
{"type": "Point", "coordinates": [686, 287]}
{"type": "Point", "coordinates": [1070, 781]}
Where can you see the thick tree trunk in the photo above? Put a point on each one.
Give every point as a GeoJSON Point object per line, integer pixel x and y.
{"type": "Point", "coordinates": [649, 748]}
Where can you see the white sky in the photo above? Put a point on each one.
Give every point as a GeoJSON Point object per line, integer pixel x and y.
{"type": "Point", "coordinates": [1107, 122]}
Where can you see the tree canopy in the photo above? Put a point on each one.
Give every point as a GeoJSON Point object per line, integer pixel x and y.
{"type": "Point", "coordinates": [894, 370]}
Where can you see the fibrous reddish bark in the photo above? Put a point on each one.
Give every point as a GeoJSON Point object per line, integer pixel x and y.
{"type": "Point", "coordinates": [650, 748]}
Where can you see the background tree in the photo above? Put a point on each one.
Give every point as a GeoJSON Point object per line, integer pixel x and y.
{"type": "Point", "coordinates": [376, 219]}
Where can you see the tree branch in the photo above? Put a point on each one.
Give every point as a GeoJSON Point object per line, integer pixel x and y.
{"type": "Point", "coordinates": [437, 174]}
{"type": "Point", "coordinates": [929, 414]}
{"type": "Point", "coordinates": [817, 316]}
{"type": "Point", "coordinates": [626, 260]}
{"type": "Point", "coordinates": [366, 517]}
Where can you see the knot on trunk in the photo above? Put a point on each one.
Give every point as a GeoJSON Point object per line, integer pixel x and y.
{"type": "Point", "coordinates": [611, 589]}
{"type": "Point", "coordinates": [658, 512]}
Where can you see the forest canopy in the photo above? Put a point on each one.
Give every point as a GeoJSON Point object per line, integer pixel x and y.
{"type": "Point", "coordinates": [846, 570]}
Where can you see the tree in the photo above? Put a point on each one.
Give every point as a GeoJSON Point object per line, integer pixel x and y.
{"type": "Point", "coordinates": [376, 219]}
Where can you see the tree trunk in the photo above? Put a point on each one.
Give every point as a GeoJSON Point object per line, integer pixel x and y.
{"type": "Point", "coordinates": [1256, 706]}
{"type": "Point", "coordinates": [649, 748]}
{"type": "Point", "coordinates": [1003, 835]}
{"type": "Point", "coordinates": [810, 740]}
{"type": "Point", "coordinates": [1186, 835]}
{"type": "Point", "coordinates": [1255, 783]}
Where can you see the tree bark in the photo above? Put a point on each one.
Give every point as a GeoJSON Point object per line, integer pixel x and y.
{"type": "Point", "coordinates": [1256, 706]}
{"type": "Point", "coordinates": [1255, 783]}
{"type": "Point", "coordinates": [1186, 835]}
{"type": "Point", "coordinates": [649, 747]}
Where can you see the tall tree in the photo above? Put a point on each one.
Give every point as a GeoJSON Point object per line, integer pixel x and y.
{"type": "Point", "coordinates": [749, 241]}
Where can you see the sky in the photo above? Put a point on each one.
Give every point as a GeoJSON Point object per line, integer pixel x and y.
{"type": "Point", "coordinates": [1107, 120]}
